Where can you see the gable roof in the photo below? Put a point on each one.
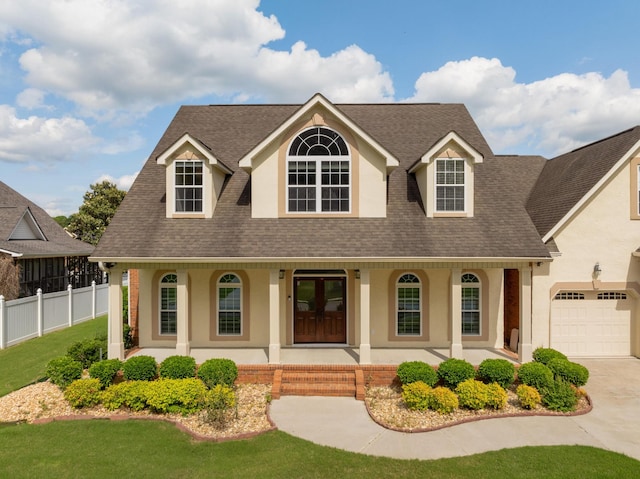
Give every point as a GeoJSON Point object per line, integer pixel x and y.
{"type": "Point", "coordinates": [500, 228]}
{"type": "Point", "coordinates": [27, 231]}
{"type": "Point", "coordinates": [569, 180]}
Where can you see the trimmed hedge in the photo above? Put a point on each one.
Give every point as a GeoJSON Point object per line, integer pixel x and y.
{"type": "Point", "coordinates": [496, 396]}
{"type": "Point", "coordinates": [218, 371]}
{"type": "Point", "coordinates": [178, 367]}
{"type": "Point", "coordinates": [528, 396]}
{"type": "Point", "coordinates": [560, 396]}
{"type": "Point", "coordinates": [88, 351]}
{"type": "Point", "coordinates": [472, 394]}
{"type": "Point", "coordinates": [544, 355]}
{"type": "Point", "coordinates": [443, 400]}
{"type": "Point", "coordinates": [498, 371]}
{"type": "Point", "coordinates": [83, 393]}
{"type": "Point", "coordinates": [140, 368]}
{"type": "Point", "coordinates": [453, 371]}
{"type": "Point", "coordinates": [535, 374]}
{"type": "Point", "coordinates": [416, 395]}
{"type": "Point", "coordinates": [132, 394]}
{"type": "Point", "coordinates": [63, 370]}
{"type": "Point", "coordinates": [412, 371]}
{"type": "Point", "coordinates": [183, 396]}
{"type": "Point", "coordinates": [105, 371]}
{"type": "Point", "coordinates": [571, 372]}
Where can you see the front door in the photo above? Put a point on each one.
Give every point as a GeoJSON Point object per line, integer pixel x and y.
{"type": "Point", "coordinates": [320, 310]}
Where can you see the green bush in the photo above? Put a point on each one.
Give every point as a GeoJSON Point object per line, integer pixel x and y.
{"type": "Point", "coordinates": [183, 396]}
{"type": "Point", "coordinates": [63, 371]}
{"type": "Point", "coordinates": [140, 368]}
{"type": "Point", "coordinates": [535, 374]}
{"type": "Point", "coordinates": [83, 393]}
{"type": "Point", "coordinates": [88, 351]}
{"type": "Point", "coordinates": [573, 373]}
{"type": "Point", "coordinates": [544, 355]}
{"type": "Point", "coordinates": [443, 400]}
{"type": "Point", "coordinates": [178, 367]}
{"type": "Point", "coordinates": [218, 402]}
{"type": "Point", "coordinates": [528, 396]}
{"type": "Point", "coordinates": [132, 394]}
{"type": "Point", "coordinates": [472, 394]}
{"type": "Point", "coordinates": [559, 396]}
{"type": "Point", "coordinates": [416, 395]}
{"type": "Point", "coordinates": [127, 336]}
{"type": "Point", "coordinates": [498, 371]}
{"type": "Point", "coordinates": [453, 371]}
{"type": "Point", "coordinates": [412, 371]}
{"type": "Point", "coordinates": [105, 371]}
{"type": "Point", "coordinates": [496, 396]}
{"type": "Point", "coordinates": [218, 371]}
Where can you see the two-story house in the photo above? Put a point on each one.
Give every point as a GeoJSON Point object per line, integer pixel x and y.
{"type": "Point", "coordinates": [374, 228]}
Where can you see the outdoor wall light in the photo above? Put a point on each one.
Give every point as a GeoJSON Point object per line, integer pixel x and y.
{"type": "Point", "coordinates": [357, 271]}
{"type": "Point", "coordinates": [281, 274]}
{"type": "Point", "coordinates": [597, 270]}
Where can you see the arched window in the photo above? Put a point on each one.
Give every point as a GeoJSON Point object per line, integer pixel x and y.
{"type": "Point", "coordinates": [408, 305]}
{"type": "Point", "coordinates": [471, 305]}
{"type": "Point", "coordinates": [168, 304]}
{"type": "Point", "coordinates": [229, 305]}
{"type": "Point", "coordinates": [318, 173]}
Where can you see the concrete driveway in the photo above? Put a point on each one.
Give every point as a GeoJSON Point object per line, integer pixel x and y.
{"type": "Point", "coordinates": [613, 424]}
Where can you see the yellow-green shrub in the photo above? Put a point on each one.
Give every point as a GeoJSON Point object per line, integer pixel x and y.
{"type": "Point", "coordinates": [416, 395]}
{"type": "Point", "coordinates": [472, 394]}
{"type": "Point", "coordinates": [83, 393]}
{"type": "Point", "coordinates": [184, 396]}
{"type": "Point", "coordinates": [528, 396]}
{"type": "Point", "coordinates": [496, 396]}
{"type": "Point", "coordinates": [132, 394]}
{"type": "Point", "coordinates": [443, 400]}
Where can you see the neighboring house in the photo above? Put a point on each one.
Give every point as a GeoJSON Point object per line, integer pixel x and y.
{"type": "Point", "coordinates": [49, 259]}
{"type": "Point", "coordinates": [375, 226]}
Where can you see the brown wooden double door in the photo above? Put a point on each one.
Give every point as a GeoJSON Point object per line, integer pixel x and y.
{"type": "Point", "coordinates": [320, 310]}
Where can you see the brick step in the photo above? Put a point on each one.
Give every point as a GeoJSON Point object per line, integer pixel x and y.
{"type": "Point", "coordinates": [310, 377]}
{"type": "Point", "coordinates": [321, 381]}
{"type": "Point", "coordinates": [318, 389]}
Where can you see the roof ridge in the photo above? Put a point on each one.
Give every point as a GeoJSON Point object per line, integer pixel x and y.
{"type": "Point", "coordinates": [602, 139]}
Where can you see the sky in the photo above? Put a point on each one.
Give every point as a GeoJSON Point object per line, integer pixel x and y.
{"type": "Point", "coordinates": [87, 87]}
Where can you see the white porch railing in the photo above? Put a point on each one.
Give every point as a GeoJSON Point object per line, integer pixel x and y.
{"type": "Point", "coordinates": [26, 318]}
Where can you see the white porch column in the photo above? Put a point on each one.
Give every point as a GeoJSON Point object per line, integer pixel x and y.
{"type": "Point", "coordinates": [455, 350]}
{"type": "Point", "coordinates": [525, 350]}
{"type": "Point", "coordinates": [182, 327]}
{"type": "Point", "coordinates": [365, 317]}
{"type": "Point", "coordinates": [116, 345]}
{"type": "Point", "coordinates": [274, 316]}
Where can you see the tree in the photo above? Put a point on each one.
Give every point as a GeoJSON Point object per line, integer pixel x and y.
{"type": "Point", "coordinates": [62, 220]}
{"type": "Point", "coordinates": [9, 278]}
{"type": "Point", "coordinates": [99, 206]}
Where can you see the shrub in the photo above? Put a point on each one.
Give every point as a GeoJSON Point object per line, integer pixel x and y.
{"type": "Point", "coordinates": [218, 371]}
{"type": "Point", "coordinates": [498, 371]}
{"type": "Point", "coordinates": [573, 373]}
{"type": "Point", "coordinates": [140, 368]}
{"type": "Point", "coordinates": [453, 371]}
{"type": "Point", "coordinates": [443, 400]}
{"type": "Point", "coordinates": [178, 367]}
{"type": "Point", "coordinates": [127, 336]}
{"type": "Point", "coordinates": [416, 395]}
{"type": "Point", "coordinates": [528, 396]}
{"type": "Point", "coordinates": [472, 394]}
{"type": "Point", "coordinates": [544, 355]}
{"type": "Point", "coordinates": [218, 402]}
{"type": "Point", "coordinates": [535, 374]}
{"type": "Point", "coordinates": [412, 371]}
{"type": "Point", "coordinates": [132, 394]}
{"type": "Point", "coordinates": [105, 371]}
{"type": "Point", "coordinates": [83, 393]}
{"type": "Point", "coordinates": [496, 396]}
{"type": "Point", "coordinates": [88, 351]}
{"type": "Point", "coordinates": [559, 396]}
{"type": "Point", "coordinates": [184, 396]}
{"type": "Point", "coordinates": [63, 371]}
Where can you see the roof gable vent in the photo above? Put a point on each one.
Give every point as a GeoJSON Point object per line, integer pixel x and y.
{"type": "Point", "coordinates": [27, 228]}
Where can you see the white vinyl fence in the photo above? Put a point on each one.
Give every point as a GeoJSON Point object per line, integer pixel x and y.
{"type": "Point", "coordinates": [26, 318]}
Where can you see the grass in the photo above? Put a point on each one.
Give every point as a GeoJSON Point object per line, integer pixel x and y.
{"type": "Point", "coordinates": [24, 363]}
{"type": "Point", "coordinates": [153, 449]}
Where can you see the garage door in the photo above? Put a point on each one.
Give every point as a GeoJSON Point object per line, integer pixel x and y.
{"type": "Point", "coordinates": [592, 324]}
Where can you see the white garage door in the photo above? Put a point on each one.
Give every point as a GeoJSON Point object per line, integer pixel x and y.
{"type": "Point", "coordinates": [592, 324]}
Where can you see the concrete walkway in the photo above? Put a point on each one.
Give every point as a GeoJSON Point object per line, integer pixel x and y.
{"type": "Point", "coordinates": [613, 424]}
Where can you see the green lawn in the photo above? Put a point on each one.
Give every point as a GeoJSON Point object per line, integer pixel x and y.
{"type": "Point", "coordinates": [153, 449]}
{"type": "Point", "coordinates": [24, 363]}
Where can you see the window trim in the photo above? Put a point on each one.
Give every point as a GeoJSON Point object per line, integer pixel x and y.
{"type": "Point", "coordinates": [392, 331]}
{"type": "Point", "coordinates": [319, 161]}
{"type": "Point", "coordinates": [245, 305]}
{"type": "Point", "coordinates": [439, 186]}
{"type": "Point", "coordinates": [173, 285]}
{"type": "Point", "coordinates": [477, 285]}
{"type": "Point", "coordinates": [200, 187]}
{"type": "Point", "coordinates": [400, 286]}
{"type": "Point", "coordinates": [235, 285]}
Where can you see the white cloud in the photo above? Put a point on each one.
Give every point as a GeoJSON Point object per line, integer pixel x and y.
{"type": "Point", "coordinates": [124, 182]}
{"type": "Point", "coordinates": [132, 55]}
{"type": "Point", "coordinates": [31, 98]}
{"type": "Point", "coordinates": [34, 139]}
{"type": "Point", "coordinates": [550, 116]}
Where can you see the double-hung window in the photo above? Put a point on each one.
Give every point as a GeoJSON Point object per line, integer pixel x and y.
{"type": "Point", "coordinates": [450, 184]}
{"type": "Point", "coordinates": [168, 304]}
{"type": "Point", "coordinates": [318, 173]}
{"type": "Point", "coordinates": [229, 305]}
{"type": "Point", "coordinates": [189, 186]}
{"type": "Point", "coordinates": [470, 304]}
{"type": "Point", "coordinates": [408, 305]}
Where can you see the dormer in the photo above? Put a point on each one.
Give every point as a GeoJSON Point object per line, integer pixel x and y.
{"type": "Point", "coordinates": [318, 163]}
{"type": "Point", "coordinates": [194, 178]}
{"type": "Point", "coordinates": [445, 176]}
